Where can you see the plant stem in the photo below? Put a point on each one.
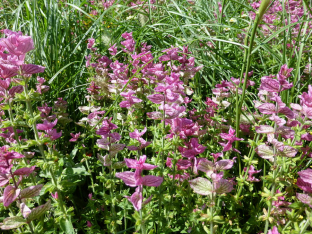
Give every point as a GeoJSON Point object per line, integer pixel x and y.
{"type": "Point", "coordinates": [240, 103]}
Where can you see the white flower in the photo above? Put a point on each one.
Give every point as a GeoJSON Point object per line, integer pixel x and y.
{"type": "Point", "coordinates": [233, 20]}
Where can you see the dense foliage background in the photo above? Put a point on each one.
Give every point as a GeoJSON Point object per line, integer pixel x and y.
{"type": "Point", "coordinates": [216, 58]}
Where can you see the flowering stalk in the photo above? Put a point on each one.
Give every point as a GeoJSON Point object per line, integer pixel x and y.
{"type": "Point", "coordinates": [35, 130]}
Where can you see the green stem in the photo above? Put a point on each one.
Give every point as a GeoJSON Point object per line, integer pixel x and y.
{"type": "Point", "coordinates": [92, 183]}
{"type": "Point", "coordinates": [240, 103]}
{"type": "Point", "coordinates": [306, 225]}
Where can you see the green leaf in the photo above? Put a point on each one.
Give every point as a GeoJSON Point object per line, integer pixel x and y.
{"type": "Point", "coordinates": [296, 205]}
{"type": "Point", "coordinates": [201, 186]}
{"type": "Point", "coordinates": [67, 226]}
{"type": "Point", "coordinates": [79, 169]}
{"type": "Point", "coordinates": [12, 222]}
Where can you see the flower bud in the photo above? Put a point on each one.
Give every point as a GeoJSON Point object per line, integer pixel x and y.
{"type": "Point", "coordinates": [263, 7]}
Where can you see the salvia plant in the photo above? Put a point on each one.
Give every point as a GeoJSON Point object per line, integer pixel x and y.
{"type": "Point", "coordinates": [145, 149]}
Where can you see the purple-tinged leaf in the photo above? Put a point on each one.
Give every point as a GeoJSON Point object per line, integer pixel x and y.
{"type": "Point", "coordinates": [132, 147]}
{"type": "Point", "coordinates": [127, 177]}
{"type": "Point", "coordinates": [288, 151]}
{"type": "Point", "coordinates": [4, 179]}
{"type": "Point", "coordinates": [267, 108]}
{"type": "Point", "coordinates": [14, 155]}
{"type": "Point", "coordinates": [16, 89]}
{"type": "Point", "coordinates": [223, 186]}
{"type": "Point", "coordinates": [205, 165]}
{"type": "Point", "coordinates": [147, 200]}
{"type": "Point", "coordinates": [131, 163]}
{"type": "Point", "coordinates": [156, 98]}
{"type": "Point", "coordinates": [24, 171]}
{"type": "Point", "coordinates": [147, 166]}
{"type": "Point", "coordinates": [285, 131]}
{"type": "Point", "coordinates": [304, 198]}
{"type": "Point", "coordinates": [25, 210]}
{"type": "Point", "coordinates": [266, 129]}
{"type": "Point", "coordinates": [307, 111]}
{"type": "Point", "coordinates": [306, 175]}
{"type": "Point", "coordinates": [295, 106]}
{"type": "Point", "coordinates": [136, 200]}
{"type": "Point", "coordinates": [106, 160]}
{"type": "Point", "coordinates": [5, 83]}
{"type": "Point", "coordinates": [7, 71]}
{"type": "Point", "coordinates": [265, 151]}
{"type": "Point", "coordinates": [38, 211]}
{"type": "Point", "coordinates": [28, 69]}
{"type": "Point", "coordinates": [270, 85]}
{"type": "Point", "coordinates": [119, 165]}
{"type": "Point", "coordinates": [155, 115]}
{"type": "Point", "coordinates": [12, 222]}
{"type": "Point", "coordinates": [307, 187]}
{"type": "Point", "coordinates": [9, 195]}
{"type": "Point", "coordinates": [31, 191]}
{"type": "Point", "coordinates": [201, 186]}
{"type": "Point", "coordinates": [183, 164]}
{"type": "Point", "coordinates": [152, 181]}
{"type": "Point", "coordinates": [224, 164]}
{"type": "Point", "coordinates": [115, 148]}
{"type": "Point", "coordinates": [287, 112]}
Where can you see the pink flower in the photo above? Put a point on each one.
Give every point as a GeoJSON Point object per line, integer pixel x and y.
{"type": "Point", "coordinates": [113, 50]}
{"type": "Point", "coordinates": [74, 137]}
{"type": "Point", "coordinates": [130, 99]}
{"type": "Point", "coordinates": [90, 43]}
{"type": "Point", "coordinates": [46, 125]}
{"type": "Point", "coordinates": [252, 171]}
{"type": "Point", "coordinates": [89, 224]}
{"type": "Point", "coordinates": [193, 148]}
{"type": "Point", "coordinates": [55, 195]}
{"type": "Point", "coordinates": [90, 196]}
{"type": "Point", "coordinates": [273, 230]}
{"type": "Point", "coordinates": [230, 137]}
